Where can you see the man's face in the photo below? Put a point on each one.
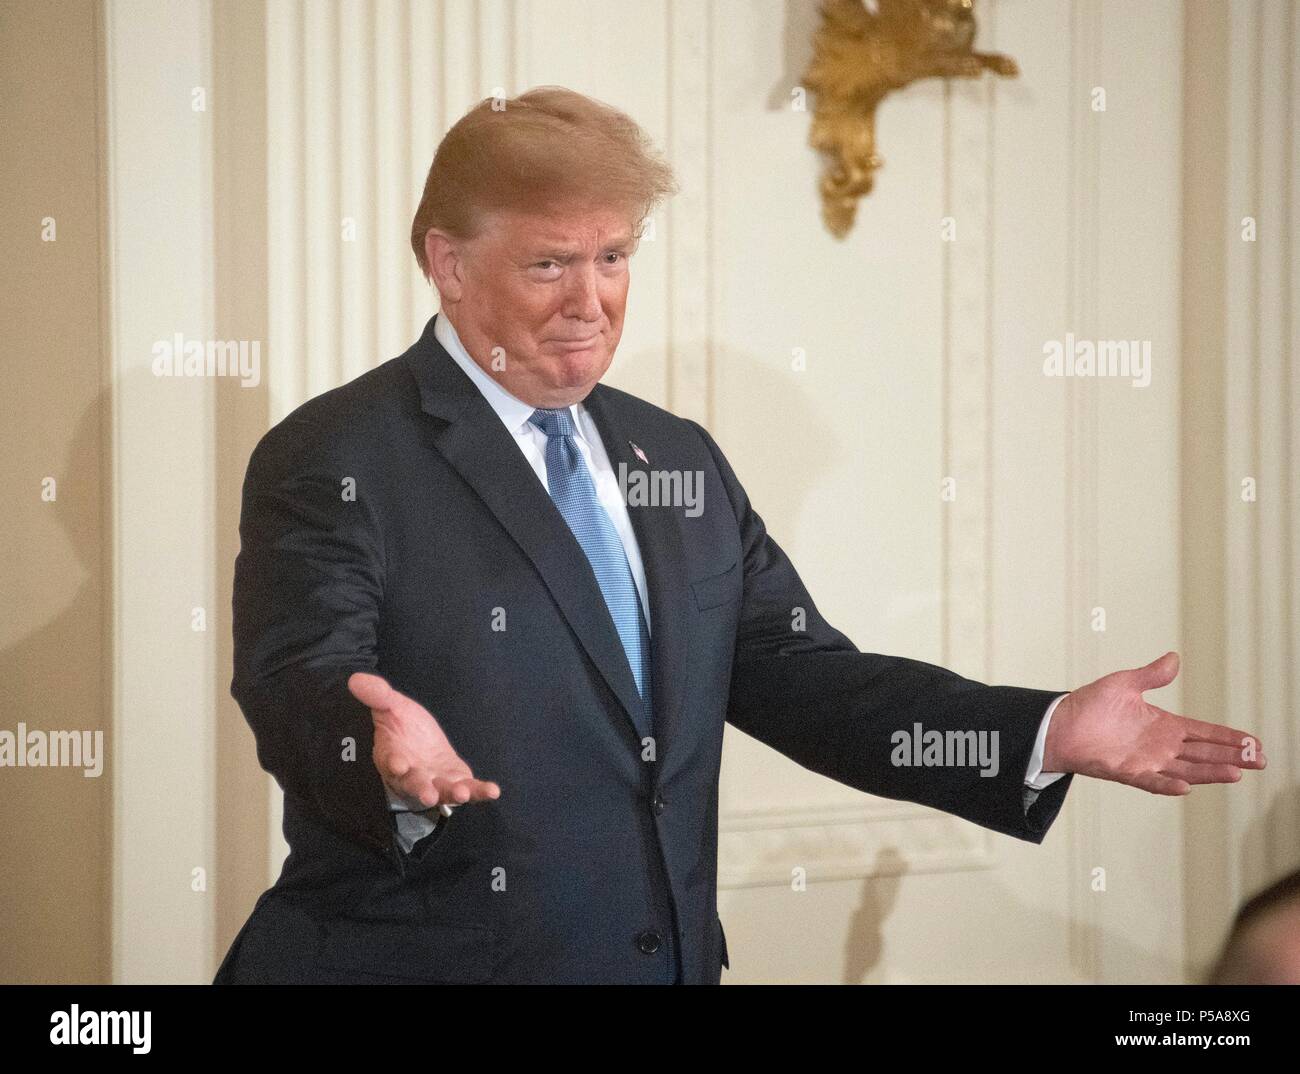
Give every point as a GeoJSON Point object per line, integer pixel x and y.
{"type": "Point", "coordinates": [549, 290]}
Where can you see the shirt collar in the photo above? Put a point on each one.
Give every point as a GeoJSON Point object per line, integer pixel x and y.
{"type": "Point", "coordinates": [513, 411]}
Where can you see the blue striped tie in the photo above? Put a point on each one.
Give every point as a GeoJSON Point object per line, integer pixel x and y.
{"type": "Point", "coordinates": [574, 493]}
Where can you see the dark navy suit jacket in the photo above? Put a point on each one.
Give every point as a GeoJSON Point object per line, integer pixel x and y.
{"type": "Point", "coordinates": [386, 526]}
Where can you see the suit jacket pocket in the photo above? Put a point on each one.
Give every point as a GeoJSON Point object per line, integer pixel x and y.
{"type": "Point", "coordinates": [717, 589]}
{"type": "Point", "coordinates": [419, 951]}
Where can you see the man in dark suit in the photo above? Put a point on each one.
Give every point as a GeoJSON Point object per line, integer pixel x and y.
{"type": "Point", "coordinates": [492, 682]}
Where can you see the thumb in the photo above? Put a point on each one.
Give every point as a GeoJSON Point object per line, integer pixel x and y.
{"type": "Point", "coordinates": [1160, 672]}
{"type": "Point", "coordinates": [372, 691]}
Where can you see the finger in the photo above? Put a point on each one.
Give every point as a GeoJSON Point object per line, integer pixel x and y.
{"type": "Point", "coordinates": [415, 786]}
{"type": "Point", "coordinates": [1251, 754]}
{"type": "Point", "coordinates": [398, 766]}
{"type": "Point", "coordinates": [1156, 783]}
{"type": "Point", "coordinates": [1158, 673]}
{"type": "Point", "coordinates": [372, 691]}
{"type": "Point", "coordinates": [458, 792]}
{"type": "Point", "coordinates": [453, 791]}
{"type": "Point", "coordinates": [425, 792]}
{"type": "Point", "coordinates": [1203, 731]}
{"type": "Point", "coordinates": [1244, 756]}
{"type": "Point", "coordinates": [414, 793]}
{"type": "Point", "coordinates": [1201, 773]}
{"type": "Point", "coordinates": [392, 760]}
{"type": "Point", "coordinates": [1210, 753]}
{"type": "Point", "coordinates": [471, 790]}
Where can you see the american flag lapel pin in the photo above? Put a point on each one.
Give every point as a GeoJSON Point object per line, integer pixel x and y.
{"type": "Point", "coordinates": [638, 452]}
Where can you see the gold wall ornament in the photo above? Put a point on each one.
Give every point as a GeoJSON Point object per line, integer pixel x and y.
{"type": "Point", "coordinates": [859, 55]}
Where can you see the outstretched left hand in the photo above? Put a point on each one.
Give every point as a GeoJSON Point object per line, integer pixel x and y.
{"type": "Point", "coordinates": [1106, 730]}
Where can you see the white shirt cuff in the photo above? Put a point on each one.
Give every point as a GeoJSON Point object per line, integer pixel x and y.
{"type": "Point", "coordinates": [1035, 777]}
{"type": "Point", "coordinates": [411, 826]}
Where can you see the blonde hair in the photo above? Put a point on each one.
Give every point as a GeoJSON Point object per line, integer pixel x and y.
{"type": "Point", "coordinates": [545, 148]}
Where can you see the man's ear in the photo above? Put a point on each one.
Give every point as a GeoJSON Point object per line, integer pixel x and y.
{"type": "Point", "coordinates": [444, 256]}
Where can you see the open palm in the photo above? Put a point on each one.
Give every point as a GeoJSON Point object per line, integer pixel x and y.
{"type": "Point", "coordinates": [411, 752]}
{"type": "Point", "coordinates": [1106, 730]}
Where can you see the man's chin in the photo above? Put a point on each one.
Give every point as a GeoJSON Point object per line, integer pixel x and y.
{"type": "Point", "coordinates": [580, 370]}
{"type": "Point", "coordinates": [559, 380]}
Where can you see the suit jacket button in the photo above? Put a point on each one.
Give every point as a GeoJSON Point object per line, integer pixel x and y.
{"type": "Point", "coordinates": [648, 942]}
{"type": "Point", "coordinates": [657, 803]}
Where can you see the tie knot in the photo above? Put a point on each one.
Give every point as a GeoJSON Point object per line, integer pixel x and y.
{"type": "Point", "coordinates": [554, 422]}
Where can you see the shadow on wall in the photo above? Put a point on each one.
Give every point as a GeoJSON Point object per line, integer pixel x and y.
{"type": "Point", "coordinates": [57, 836]}
{"type": "Point", "coordinates": [57, 842]}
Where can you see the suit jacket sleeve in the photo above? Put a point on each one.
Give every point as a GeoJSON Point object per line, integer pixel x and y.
{"type": "Point", "coordinates": [812, 695]}
{"type": "Point", "coordinates": [309, 584]}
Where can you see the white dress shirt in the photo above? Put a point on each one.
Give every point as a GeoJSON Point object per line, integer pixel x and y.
{"type": "Point", "coordinates": [514, 414]}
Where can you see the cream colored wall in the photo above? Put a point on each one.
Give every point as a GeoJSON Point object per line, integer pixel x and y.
{"type": "Point", "coordinates": [1240, 337]}
{"type": "Point", "coordinates": [168, 616]}
{"type": "Point", "coordinates": [923, 361]}
{"type": "Point", "coordinates": [55, 834]}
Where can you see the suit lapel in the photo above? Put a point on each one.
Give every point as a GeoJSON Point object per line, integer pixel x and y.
{"type": "Point", "coordinates": [482, 451]}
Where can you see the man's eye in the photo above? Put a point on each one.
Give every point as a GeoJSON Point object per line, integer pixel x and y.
{"type": "Point", "coordinates": [614, 254]}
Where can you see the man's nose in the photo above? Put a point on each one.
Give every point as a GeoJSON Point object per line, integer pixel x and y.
{"type": "Point", "coordinates": [582, 300]}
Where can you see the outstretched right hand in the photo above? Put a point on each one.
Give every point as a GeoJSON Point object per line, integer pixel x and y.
{"type": "Point", "coordinates": [412, 754]}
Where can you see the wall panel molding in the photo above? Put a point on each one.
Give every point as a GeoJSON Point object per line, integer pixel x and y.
{"type": "Point", "coordinates": [159, 267]}
{"type": "Point", "coordinates": [760, 847]}
{"type": "Point", "coordinates": [359, 95]}
{"type": "Point", "coordinates": [689, 88]}
{"type": "Point", "coordinates": [1082, 524]}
